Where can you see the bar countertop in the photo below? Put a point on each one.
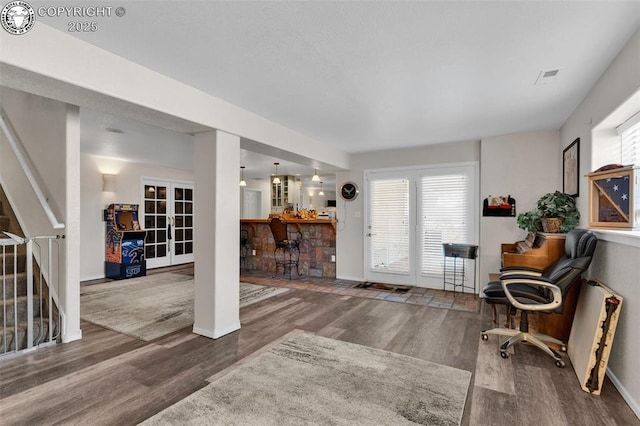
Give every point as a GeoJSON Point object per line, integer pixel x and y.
{"type": "Point", "coordinates": [296, 221]}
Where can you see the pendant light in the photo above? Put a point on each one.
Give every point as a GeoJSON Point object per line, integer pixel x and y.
{"type": "Point", "coordinates": [276, 179]}
{"type": "Point", "coordinates": [242, 181]}
{"type": "Point", "coordinates": [315, 177]}
{"type": "Point", "coordinates": [321, 193]}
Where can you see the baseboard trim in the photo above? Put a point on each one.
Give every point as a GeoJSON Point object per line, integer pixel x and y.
{"type": "Point", "coordinates": [217, 333]}
{"type": "Point", "coordinates": [357, 279]}
{"type": "Point", "coordinates": [68, 338]}
{"type": "Point", "coordinates": [625, 394]}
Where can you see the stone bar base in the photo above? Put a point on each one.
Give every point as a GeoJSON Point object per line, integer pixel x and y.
{"type": "Point", "coordinates": [317, 245]}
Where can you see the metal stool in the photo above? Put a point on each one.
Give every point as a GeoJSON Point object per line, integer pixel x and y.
{"type": "Point", "coordinates": [287, 251]}
{"type": "Point", "coordinates": [244, 248]}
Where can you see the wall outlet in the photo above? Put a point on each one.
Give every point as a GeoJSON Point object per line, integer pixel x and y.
{"type": "Point", "coordinates": [253, 252]}
{"type": "Point", "coordinates": [333, 257]}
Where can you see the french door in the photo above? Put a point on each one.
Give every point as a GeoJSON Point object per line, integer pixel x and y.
{"type": "Point", "coordinates": [410, 213]}
{"type": "Point", "coordinates": [168, 220]}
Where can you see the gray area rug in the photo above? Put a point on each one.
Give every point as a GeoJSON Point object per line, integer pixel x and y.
{"type": "Point", "coordinates": [152, 306]}
{"type": "Point", "coordinates": [309, 379]}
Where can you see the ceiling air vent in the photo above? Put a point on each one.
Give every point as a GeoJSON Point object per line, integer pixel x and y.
{"type": "Point", "coordinates": [547, 76]}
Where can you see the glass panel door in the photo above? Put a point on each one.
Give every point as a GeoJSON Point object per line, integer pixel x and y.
{"type": "Point", "coordinates": [168, 220]}
{"type": "Point", "coordinates": [182, 223]}
{"type": "Point", "coordinates": [410, 213]}
{"type": "Point", "coordinates": [155, 223]}
{"type": "Point", "coordinates": [389, 236]}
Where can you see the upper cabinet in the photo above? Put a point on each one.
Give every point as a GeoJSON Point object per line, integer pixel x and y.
{"type": "Point", "coordinates": [284, 194]}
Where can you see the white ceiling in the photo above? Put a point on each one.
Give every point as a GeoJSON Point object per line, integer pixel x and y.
{"type": "Point", "coordinates": [377, 75]}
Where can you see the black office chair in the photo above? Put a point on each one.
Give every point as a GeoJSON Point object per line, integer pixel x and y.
{"type": "Point", "coordinates": [529, 289]}
{"type": "Point", "coordinates": [287, 251]}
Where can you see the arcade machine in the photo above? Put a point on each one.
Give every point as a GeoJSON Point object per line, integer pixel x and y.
{"type": "Point", "coordinates": [124, 242]}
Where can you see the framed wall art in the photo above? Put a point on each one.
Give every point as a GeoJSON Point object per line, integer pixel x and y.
{"type": "Point", "coordinates": [571, 169]}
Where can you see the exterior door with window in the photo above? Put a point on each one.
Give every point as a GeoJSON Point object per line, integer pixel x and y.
{"type": "Point", "coordinates": [410, 214]}
{"type": "Point", "coordinates": [447, 212]}
{"type": "Point", "coordinates": [168, 220]}
{"type": "Point", "coordinates": [389, 234]}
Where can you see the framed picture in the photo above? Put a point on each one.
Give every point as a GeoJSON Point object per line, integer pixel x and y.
{"type": "Point", "coordinates": [571, 169]}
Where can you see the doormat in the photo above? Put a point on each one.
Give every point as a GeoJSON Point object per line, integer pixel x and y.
{"type": "Point", "coordinates": [392, 288]}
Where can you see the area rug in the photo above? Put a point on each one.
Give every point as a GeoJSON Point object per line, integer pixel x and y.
{"type": "Point", "coordinates": [152, 306]}
{"type": "Point", "coordinates": [308, 379]}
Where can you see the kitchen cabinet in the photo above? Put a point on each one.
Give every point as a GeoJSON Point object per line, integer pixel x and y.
{"type": "Point", "coordinates": [284, 194]}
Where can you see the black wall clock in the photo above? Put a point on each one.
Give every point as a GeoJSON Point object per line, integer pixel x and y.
{"type": "Point", "coordinates": [349, 191]}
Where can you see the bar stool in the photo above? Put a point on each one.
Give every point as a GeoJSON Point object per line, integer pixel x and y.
{"type": "Point", "coordinates": [244, 248]}
{"type": "Point", "coordinates": [287, 251]}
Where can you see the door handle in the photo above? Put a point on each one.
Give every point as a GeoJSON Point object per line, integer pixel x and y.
{"type": "Point", "coordinates": [169, 234]}
{"type": "Point", "coordinates": [370, 234]}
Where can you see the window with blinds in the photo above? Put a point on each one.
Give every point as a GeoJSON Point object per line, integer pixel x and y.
{"type": "Point", "coordinates": [630, 145]}
{"type": "Point", "coordinates": [445, 213]}
{"type": "Point", "coordinates": [389, 225]}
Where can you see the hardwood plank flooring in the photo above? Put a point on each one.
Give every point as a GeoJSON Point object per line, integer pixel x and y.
{"type": "Point", "coordinates": [112, 379]}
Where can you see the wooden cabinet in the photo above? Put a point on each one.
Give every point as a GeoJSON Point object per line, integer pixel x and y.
{"type": "Point", "coordinates": [544, 250]}
{"type": "Point", "coordinates": [284, 194]}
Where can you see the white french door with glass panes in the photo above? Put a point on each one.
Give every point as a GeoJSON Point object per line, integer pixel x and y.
{"type": "Point", "coordinates": [410, 214]}
{"type": "Point", "coordinates": [168, 219]}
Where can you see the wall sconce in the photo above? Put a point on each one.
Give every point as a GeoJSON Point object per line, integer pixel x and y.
{"type": "Point", "coordinates": [315, 177]}
{"type": "Point", "coordinates": [276, 179]}
{"type": "Point", "coordinates": [242, 182]}
{"type": "Point", "coordinates": [108, 183]}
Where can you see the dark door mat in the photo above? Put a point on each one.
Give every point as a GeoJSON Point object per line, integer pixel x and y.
{"type": "Point", "coordinates": [385, 287]}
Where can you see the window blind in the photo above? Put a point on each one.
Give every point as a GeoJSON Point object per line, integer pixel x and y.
{"type": "Point", "coordinates": [445, 216]}
{"type": "Point", "coordinates": [389, 219]}
{"type": "Point", "coordinates": [630, 146]}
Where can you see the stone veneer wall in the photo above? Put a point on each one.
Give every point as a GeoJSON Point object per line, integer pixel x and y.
{"type": "Point", "coordinates": [317, 245]}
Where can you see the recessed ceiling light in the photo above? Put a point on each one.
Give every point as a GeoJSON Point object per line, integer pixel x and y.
{"type": "Point", "coordinates": [114, 130]}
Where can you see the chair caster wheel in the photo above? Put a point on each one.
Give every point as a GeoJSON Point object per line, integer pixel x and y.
{"type": "Point", "coordinates": [560, 363]}
{"type": "Point", "coordinates": [505, 354]}
{"type": "Point", "coordinates": [563, 348]}
{"type": "Point", "coordinates": [484, 336]}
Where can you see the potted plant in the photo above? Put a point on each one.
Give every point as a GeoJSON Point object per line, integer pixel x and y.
{"type": "Point", "coordinates": [555, 212]}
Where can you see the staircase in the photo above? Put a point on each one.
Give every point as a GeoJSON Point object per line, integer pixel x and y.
{"type": "Point", "coordinates": [13, 291]}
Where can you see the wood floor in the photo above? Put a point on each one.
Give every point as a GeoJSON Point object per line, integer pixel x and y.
{"type": "Point", "coordinates": [110, 378]}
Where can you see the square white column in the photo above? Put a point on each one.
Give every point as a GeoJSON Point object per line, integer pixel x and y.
{"type": "Point", "coordinates": [217, 229]}
{"type": "Point", "coordinates": [71, 294]}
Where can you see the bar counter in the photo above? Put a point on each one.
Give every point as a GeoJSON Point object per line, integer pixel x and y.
{"type": "Point", "coordinates": [317, 245]}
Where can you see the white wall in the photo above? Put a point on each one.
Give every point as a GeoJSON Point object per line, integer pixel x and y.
{"type": "Point", "coordinates": [615, 263]}
{"type": "Point", "coordinates": [524, 166]}
{"type": "Point", "coordinates": [350, 254]}
{"type": "Point", "coordinates": [265, 187]}
{"type": "Point", "coordinates": [40, 123]}
{"type": "Point", "coordinates": [93, 201]}
{"type": "Point", "coordinates": [49, 132]}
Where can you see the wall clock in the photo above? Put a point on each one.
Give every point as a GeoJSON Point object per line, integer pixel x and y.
{"type": "Point", "coordinates": [349, 191]}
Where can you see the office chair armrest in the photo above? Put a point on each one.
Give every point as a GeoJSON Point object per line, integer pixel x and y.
{"type": "Point", "coordinates": [523, 269]}
{"type": "Point", "coordinates": [528, 272]}
{"type": "Point", "coordinates": [537, 282]}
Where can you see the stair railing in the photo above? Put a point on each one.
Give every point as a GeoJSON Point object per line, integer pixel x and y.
{"type": "Point", "coordinates": [47, 279]}
{"type": "Point", "coordinates": [28, 168]}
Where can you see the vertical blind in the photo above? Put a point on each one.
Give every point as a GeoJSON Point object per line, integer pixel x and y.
{"type": "Point", "coordinates": [389, 225]}
{"type": "Point", "coordinates": [444, 216]}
